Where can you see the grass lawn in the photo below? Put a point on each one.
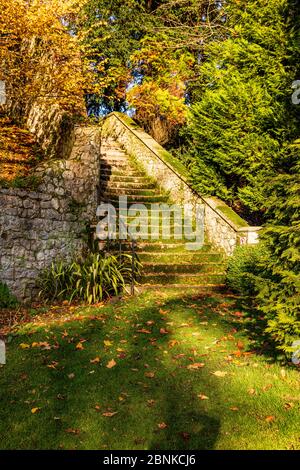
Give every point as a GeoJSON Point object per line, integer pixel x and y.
{"type": "Point", "coordinates": [163, 370]}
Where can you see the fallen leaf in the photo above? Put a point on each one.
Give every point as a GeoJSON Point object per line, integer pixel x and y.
{"type": "Point", "coordinates": [35, 410]}
{"type": "Point", "coordinates": [267, 387]}
{"type": "Point", "coordinates": [143, 330]}
{"type": "Point", "coordinates": [163, 331]}
{"type": "Point", "coordinates": [288, 406]}
{"type": "Point", "coordinates": [109, 414]}
{"type": "Point", "coordinates": [172, 343]}
{"type": "Point", "coordinates": [270, 419]}
{"type": "Point", "coordinates": [24, 346]}
{"type": "Point", "coordinates": [219, 373]}
{"type": "Point", "coordinates": [196, 365]}
{"type": "Point", "coordinates": [237, 314]}
{"type": "Point", "coordinates": [107, 343]}
{"type": "Point", "coordinates": [71, 376]}
{"type": "Point", "coordinates": [234, 408]}
{"type": "Point", "coordinates": [112, 363]}
{"type": "Point", "coordinates": [95, 361]}
{"type": "Point", "coordinates": [163, 312]}
{"type": "Point", "coordinates": [150, 375]}
{"type": "Point", "coordinates": [202, 397]}
{"type": "Point", "coordinates": [252, 391]}
{"type": "Point", "coordinates": [150, 402]}
{"type": "Point", "coordinates": [162, 425]}
{"type": "Point", "coordinates": [72, 431]}
{"type": "Point", "coordinates": [79, 346]}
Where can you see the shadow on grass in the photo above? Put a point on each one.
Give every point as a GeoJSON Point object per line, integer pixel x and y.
{"type": "Point", "coordinates": [153, 394]}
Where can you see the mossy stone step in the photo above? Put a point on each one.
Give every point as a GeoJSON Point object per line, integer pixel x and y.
{"type": "Point", "coordinates": [185, 257]}
{"type": "Point", "coordinates": [111, 172]}
{"type": "Point", "coordinates": [127, 186]}
{"type": "Point", "coordinates": [203, 278]}
{"type": "Point", "coordinates": [205, 288]}
{"type": "Point", "coordinates": [138, 199]}
{"type": "Point", "coordinates": [167, 247]}
{"type": "Point", "coordinates": [130, 192]}
{"type": "Point", "coordinates": [126, 179]}
{"type": "Point", "coordinates": [171, 268]}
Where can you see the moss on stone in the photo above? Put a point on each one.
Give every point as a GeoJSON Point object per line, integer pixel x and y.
{"type": "Point", "coordinates": [232, 216]}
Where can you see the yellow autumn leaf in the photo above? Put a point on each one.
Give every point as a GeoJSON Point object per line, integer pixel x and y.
{"type": "Point", "coordinates": [79, 346]}
{"type": "Point", "coordinates": [107, 343]}
{"type": "Point", "coordinates": [35, 410]}
{"type": "Point", "coordinates": [24, 346]}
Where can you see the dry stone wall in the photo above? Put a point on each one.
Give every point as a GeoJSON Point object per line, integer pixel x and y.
{"type": "Point", "coordinates": [38, 227]}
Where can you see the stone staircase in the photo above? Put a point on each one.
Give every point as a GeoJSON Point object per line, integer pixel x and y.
{"type": "Point", "coordinates": [165, 262]}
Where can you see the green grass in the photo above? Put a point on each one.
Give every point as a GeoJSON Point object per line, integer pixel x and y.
{"type": "Point", "coordinates": [254, 404]}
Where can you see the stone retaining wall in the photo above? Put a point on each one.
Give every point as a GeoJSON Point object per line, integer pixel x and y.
{"type": "Point", "coordinates": [37, 227]}
{"type": "Point", "coordinates": [223, 227]}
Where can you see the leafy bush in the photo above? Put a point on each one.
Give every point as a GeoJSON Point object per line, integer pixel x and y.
{"type": "Point", "coordinates": [270, 271]}
{"type": "Point", "coordinates": [245, 268]}
{"type": "Point", "coordinates": [90, 280]}
{"type": "Point", "coordinates": [7, 300]}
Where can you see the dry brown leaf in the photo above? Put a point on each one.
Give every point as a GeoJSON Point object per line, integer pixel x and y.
{"type": "Point", "coordinates": [109, 414]}
{"type": "Point", "coordinates": [270, 419]}
{"type": "Point", "coordinates": [150, 375]}
{"type": "Point", "coordinates": [162, 425]}
{"type": "Point", "coordinates": [196, 365]}
{"type": "Point", "coordinates": [202, 397]}
{"type": "Point", "coordinates": [95, 361]}
{"type": "Point", "coordinates": [72, 431]}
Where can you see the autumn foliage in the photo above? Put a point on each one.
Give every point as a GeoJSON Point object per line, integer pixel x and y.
{"type": "Point", "coordinates": [40, 60]}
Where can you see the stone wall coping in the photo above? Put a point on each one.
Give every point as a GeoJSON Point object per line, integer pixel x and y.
{"type": "Point", "coordinates": [249, 229]}
{"type": "Point", "coordinates": [214, 203]}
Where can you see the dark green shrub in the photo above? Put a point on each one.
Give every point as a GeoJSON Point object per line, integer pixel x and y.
{"type": "Point", "coordinates": [245, 269]}
{"type": "Point", "coordinates": [7, 300]}
{"type": "Point", "coordinates": [90, 280]}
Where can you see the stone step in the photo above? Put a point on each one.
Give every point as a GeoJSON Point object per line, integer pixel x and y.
{"type": "Point", "coordinates": [137, 199]}
{"type": "Point", "coordinates": [123, 186]}
{"type": "Point", "coordinates": [113, 153]}
{"type": "Point", "coordinates": [181, 268]}
{"type": "Point", "coordinates": [181, 279]}
{"type": "Point", "coordinates": [110, 191]}
{"type": "Point", "coordinates": [140, 179]}
{"type": "Point", "coordinates": [111, 172]}
{"type": "Point", "coordinates": [185, 257]}
{"type": "Point", "coordinates": [205, 288]}
{"type": "Point", "coordinates": [116, 166]}
{"type": "Point", "coordinates": [165, 246]}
